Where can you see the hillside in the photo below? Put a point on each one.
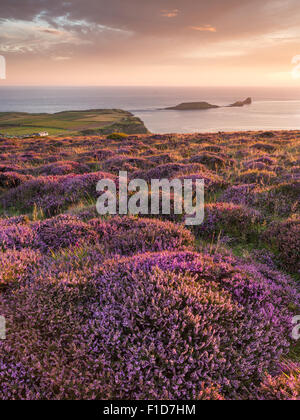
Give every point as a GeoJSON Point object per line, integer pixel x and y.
{"type": "Point", "coordinates": [96, 121]}
{"type": "Point", "coordinates": [144, 307]}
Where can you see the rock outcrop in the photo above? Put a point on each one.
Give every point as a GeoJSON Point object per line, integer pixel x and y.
{"type": "Point", "coordinates": [247, 101]}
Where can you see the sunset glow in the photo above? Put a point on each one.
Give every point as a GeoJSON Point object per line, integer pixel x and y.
{"type": "Point", "coordinates": [162, 42]}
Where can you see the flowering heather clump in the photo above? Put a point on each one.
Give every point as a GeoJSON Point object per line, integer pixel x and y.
{"type": "Point", "coordinates": [160, 159]}
{"type": "Point", "coordinates": [285, 386]}
{"type": "Point", "coordinates": [218, 295]}
{"type": "Point", "coordinates": [258, 176]}
{"type": "Point", "coordinates": [256, 165]}
{"type": "Point", "coordinates": [210, 392]}
{"type": "Point", "coordinates": [129, 235]}
{"type": "Point", "coordinates": [264, 147]}
{"type": "Point", "coordinates": [210, 160]}
{"type": "Point", "coordinates": [12, 179]}
{"type": "Point", "coordinates": [17, 266]}
{"type": "Point", "coordinates": [229, 219]}
{"type": "Point", "coordinates": [212, 182]}
{"type": "Point", "coordinates": [281, 199]}
{"type": "Point", "coordinates": [103, 154]}
{"type": "Point", "coordinates": [62, 168]}
{"type": "Point", "coordinates": [285, 238]}
{"type": "Point", "coordinates": [122, 334]}
{"type": "Point", "coordinates": [126, 163]}
{"type": "Point", "coordinates": [16, 237]}
{"type": "Point", "coordinates": [267, 160]}
{"type": "Point", "coordinates": [168, 171]}
{"type": "Point", "coordinates": [11, 221]}
{"type": "Point", "coordinates": [62, 231]}
{"type": "Point", "coordinates": [53, 193]}
{"type": "Point", "coordinates": [213, 149]}
{"type": "Point", "coordinates": [10, 168]}
{"type": "Point", "coordinates": [239, 194]}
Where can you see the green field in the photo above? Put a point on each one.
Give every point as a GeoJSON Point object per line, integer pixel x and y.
{"type": "Point", "coordinates": [98, 121]}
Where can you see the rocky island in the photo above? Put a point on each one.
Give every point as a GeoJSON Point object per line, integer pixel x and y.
{"type": "Point", "coordinates": [189, 106]}
{"type": "Point", "coordinates": [196, 106]}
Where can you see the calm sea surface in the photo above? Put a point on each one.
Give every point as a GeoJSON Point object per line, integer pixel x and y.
{"type": "Point", "coordinates": [271, 108]}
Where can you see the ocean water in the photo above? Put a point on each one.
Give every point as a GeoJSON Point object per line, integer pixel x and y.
{"type": "Point", "coordinates": [272, 108]}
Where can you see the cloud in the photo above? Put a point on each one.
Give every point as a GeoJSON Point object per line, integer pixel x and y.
{"type": "Point", "coordinates": [60, 58]}
{"type": "Point", "coordinates": [170, 13]}
{"type": "Point", "coordinates": [18, 36]}
{"type": "Point", "coordinates": [205, 28]}
{"type": "Point", "coordinates": [120, 37]}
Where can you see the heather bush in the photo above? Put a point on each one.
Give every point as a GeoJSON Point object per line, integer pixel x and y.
{"type": "Point", "coordinates": [17, 266]}
{"type": "Point", "coordinates": [230, 219]}
{"type": "Point", "coordinates": [61, 232]}
{"type": "Point", "coordinates": [12, 179]}
{"type": "Point", "coordinates": [16, 237]}
{"type": "Point", "coordinates": [153, 326]}
{"type": "Point", "coordinates": [282, 199]}
{"type": "Point", "coordinates": [243, 194]}
{"type": "Point", "coordinates": [285, 386]}
{"type": "Point", "coordinates": [265, 147]}
{"type": "Point", "coordinates": [168, 171]}
{"type": "Point", "coordinates": [62, 168]}
{"type": "Point", "coordinates": [210, 160]}
{"type": "Point", "coordinates": [160, 159]}
{"type": "Point", "coordinates": [256, 176]}
{"type": "Point", "coordinates": [284, 237]}
{"type": "Point", "coordinates": [129, 235]}
{"type": "Point", "coordinates": [126, 163]}
{"type": "Point", "coordinates": [212, 182]}
{"type": "Point", "coordinates": [53, 194]}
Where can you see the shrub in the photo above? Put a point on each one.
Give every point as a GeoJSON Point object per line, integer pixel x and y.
{"type": "Point", "coordinates": [17, 267]}
{"type": "Point", "coordinates": [229, 219]}
{"type": "Point", "coordinates": [129, 235]}
{"type": "Point", "coordinates": [16, 237]}
{"type": "Point", "coordinates": [264, 147]}
{"type": "Point", "coordinates": [147, 327]}
{"type": "Point", "coordinates": [62, 168]}
{"type": "Point", "coordinates": [285, 238]}
{"type": "Point", "coordinates": [12, 179]}
{"type": "Point", "coordinates": [168, 171]}
{"type": "Point", "coordinates": [256, 176]}
{"type": "Point", "coordinates": [117, 136]}
{"type": "Point", "coordinates": [53, 194]}
{"type": "Point", "coordinates": [285, 386]}
{"type": "Point", "coordinates": [62, 231]}
{"type": "Point", "coordinates": [210, 160]}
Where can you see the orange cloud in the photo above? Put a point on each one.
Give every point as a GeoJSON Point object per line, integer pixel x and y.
{"type": "Point", "coordinates": [205, 28]}
{"type": "Point", "coordinates": [170, 13]}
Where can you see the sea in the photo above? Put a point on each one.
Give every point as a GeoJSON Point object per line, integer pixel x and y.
{"type": "Point", "coordinates": [272, 108]}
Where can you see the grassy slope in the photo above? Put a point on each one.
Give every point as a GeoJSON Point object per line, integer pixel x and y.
{"type": "Point", "coordinates": [70, 122]}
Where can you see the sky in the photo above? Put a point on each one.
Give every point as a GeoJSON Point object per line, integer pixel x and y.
{"type": "Point", "coordinates": [150, 42]}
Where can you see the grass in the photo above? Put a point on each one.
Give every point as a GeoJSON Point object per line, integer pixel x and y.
{"type": "Point", "coordinates": [69, 122]}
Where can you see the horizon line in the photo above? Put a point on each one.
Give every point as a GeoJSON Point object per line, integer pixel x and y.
{"type": "Point", "coordinates": [153, 86]}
